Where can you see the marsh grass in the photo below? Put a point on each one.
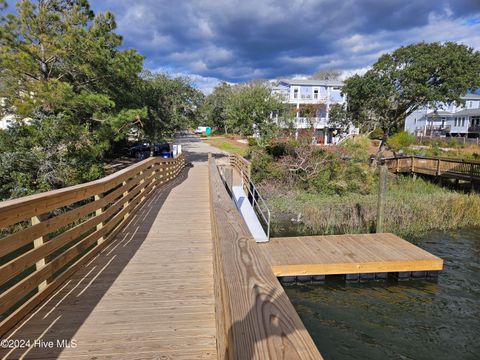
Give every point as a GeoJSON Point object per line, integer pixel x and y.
{"type": "Point", "coordinates": [413, 207]}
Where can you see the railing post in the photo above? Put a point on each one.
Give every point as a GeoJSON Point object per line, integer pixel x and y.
{"type": "Point", "coordinates": [382, 190]}
{"type": "Point", "coordinates": [438, 167]}
{"type": "Point", "coordinates": [99, 212]}
{"type": "Point", "coordinates": [36, 244]}
{"type": "Point", "coordinates": [125, 194]}
{"type": "Point", "coordinates": [143, 188]}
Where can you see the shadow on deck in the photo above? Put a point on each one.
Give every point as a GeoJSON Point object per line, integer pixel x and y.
{"type": "Point", "coordinates": [61, 315]}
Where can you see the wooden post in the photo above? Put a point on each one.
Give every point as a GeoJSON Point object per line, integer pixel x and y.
{"type": "Point", "coordinates": [99, 212]}
{"type": "Point", "coordinates": [472, 183]}
{"type": "Point", "coordinates": [36, 244]}
{"type": "Point", "coordinates": [142, 190]}
{"type": "Point", "coordinates": [125, 194]}
{"type": "Point", "coordinates": [228, 173]}
{"type": "Point", "coordinates": [438, 167]}
{"type": "Point", "coordinates": [382, 192]}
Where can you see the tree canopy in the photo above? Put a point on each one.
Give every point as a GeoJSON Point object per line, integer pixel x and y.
{"type": "Point", "coordinates": [410, 78]}
{"type": "Point", "coordinates": [76, 95]}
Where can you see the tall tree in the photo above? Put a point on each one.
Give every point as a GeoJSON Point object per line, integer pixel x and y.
{"type": "Point", "coordinates": [213, 111]}
{"type": "Point", "coordinates": [412, 77]}
{"type": "Point", "coordinates": [172, 104]}
{"type": "Point", "coordinates": [328, 74]}
{"type": "Point", "coordinates": [57, 55]}
{"type": "Point", "coordinates": [61, 67]}
{"type": "Point", "coordinates": [249, 109]}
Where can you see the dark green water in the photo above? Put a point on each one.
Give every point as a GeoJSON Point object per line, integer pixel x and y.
{"type": "Point", "coordinates": [416, 319]}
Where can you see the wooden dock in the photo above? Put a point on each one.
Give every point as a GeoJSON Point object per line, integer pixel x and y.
{"type": "Point", "coordinates": [346, 254]}
{"type": "Point", "coordinates": [155, 262]}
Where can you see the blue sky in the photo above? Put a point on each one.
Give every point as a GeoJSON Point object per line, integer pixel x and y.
{"type": "Point", "coordinates": [239, 40]}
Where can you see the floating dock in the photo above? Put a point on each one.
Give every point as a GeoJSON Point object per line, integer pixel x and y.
{"type": "Point", "coordinates": [346, 254]}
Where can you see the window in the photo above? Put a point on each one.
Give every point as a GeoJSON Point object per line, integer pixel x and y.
{"type": "Point", "coordinates": [315, 94]}
{"type": "Point", "coordinates": [295, 93]}
{"type": "Point", "coordinates": [463, 121]}
{"type": "Point", "coordinates": [455, 122]}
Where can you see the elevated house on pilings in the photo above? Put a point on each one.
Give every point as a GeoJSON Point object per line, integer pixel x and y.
{"type": "Point", "coordinates": [320, 95]}
{"type": "Point", "coordinates": [448, 120]}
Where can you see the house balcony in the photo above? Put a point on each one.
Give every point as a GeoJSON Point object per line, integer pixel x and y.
{"type": "Point", "coordinates": [304, 123]}
{"type": "Point", "coordinates": [474, 129]}
{"type": "Point", "coordinates": [434, 130]}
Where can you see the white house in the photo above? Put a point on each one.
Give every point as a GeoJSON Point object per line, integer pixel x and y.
{"type": "Point", "coordinates": [324, 93]}
{"type": "Point", "coordinates": [451, 120]}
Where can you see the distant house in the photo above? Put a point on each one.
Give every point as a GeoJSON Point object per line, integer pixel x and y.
{"type": "Point", "coordinates": [451, 120]}
{"type": "Point", "coordinates": [323, 94]}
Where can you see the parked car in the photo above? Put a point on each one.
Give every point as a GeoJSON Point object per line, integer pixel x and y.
{"type": "Point", "coordinates": [142, 151]}
{"type": "Point", "coordinates": [139, 151]}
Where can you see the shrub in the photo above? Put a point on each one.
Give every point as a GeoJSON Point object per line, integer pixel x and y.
{"type": "Point", "coordinates": [401, 140]}
{"type": "Point", "coordinates": [357, 148]}
{"type": "Point", "coordinates": [252, 142]}
{"type": "Point", "coordinates": [376, 134]}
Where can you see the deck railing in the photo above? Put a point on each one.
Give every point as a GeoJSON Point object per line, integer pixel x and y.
{"type": "Point", "coordinates": [452, 168]}
{"type": "Point", "coordinates": [242, 165]}
{"type": "Point", "coordinates": [46, 237]}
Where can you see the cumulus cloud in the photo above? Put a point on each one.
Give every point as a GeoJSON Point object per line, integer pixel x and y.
{"type": "Point", "coordinates": [238, 41]}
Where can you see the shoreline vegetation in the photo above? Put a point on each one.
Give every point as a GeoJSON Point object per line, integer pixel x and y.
{"type": "Point", "coordinates": [326, 191]}
{"type": "Point", "coordinates": [413, 207]}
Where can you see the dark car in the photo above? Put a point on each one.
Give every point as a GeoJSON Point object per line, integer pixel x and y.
{"type": "Point", "coordinates": [163, 149]}
{"type": "Point", "coordinates": [142, 151]}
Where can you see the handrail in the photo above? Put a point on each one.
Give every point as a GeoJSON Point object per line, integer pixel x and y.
{"type": "Point", "coordinates": [46, 237]}
{"type": "Point", "coordinates": [253, 196]}
{"type": "Point", "coordinates": [244, 168]}
{"type": "Point", "coordinates": [456, 168]}
{"type": "Point", "coordinates": [254, 317]}
{"type": "Point", "coordinates": [242, 165]}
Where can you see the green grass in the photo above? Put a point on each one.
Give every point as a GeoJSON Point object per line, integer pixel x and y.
{"type": "Point", "coordinates": [228, 145]}
{"type": "Point", "coordinates": [412, 208]}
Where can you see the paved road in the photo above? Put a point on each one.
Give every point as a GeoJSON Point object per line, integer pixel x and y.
{"type": "Point", "coordinates": [196, 151]}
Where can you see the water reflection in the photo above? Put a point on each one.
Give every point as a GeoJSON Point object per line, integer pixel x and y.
{"type": "Point", "coordinates": [416, 319]}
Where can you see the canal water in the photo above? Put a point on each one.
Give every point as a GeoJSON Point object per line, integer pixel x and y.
{"type": "Point", "coordinates": [416, 319]}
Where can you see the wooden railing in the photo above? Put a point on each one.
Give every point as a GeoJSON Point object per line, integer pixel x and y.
{"type": "Point", "coordinates": [452, 168]}
{"type": "Point", "coordinates": [48, 236]}
{"type": "Point", "coordinates": [254, 317]}
{"type": "Point", "coordinates": [242, 165]}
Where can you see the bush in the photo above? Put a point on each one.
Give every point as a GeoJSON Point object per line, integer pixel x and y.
{"type": "Point", "coordinates": [401, 140]}
{"type": "Point", "coordinates": [252, 142]}
{"type": "Point", "coordinates": [376, 134]}
{"type": "Point", "coordinates": [357, 148]}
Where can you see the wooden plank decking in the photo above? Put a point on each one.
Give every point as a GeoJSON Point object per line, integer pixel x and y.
{"type": "Point", "coordinates": [149, 294]}
{"type": "Point", "coordinates": [346, 254]}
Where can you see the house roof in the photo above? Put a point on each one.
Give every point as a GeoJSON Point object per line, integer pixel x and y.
{"type": "Point", "coordinates": [312, 82]}
{"type": "Point", "coordinates": [434, 114]}
{"type": "Point", "coordinates": [468, 112]}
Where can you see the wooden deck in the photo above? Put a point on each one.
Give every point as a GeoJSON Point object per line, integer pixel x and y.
{"type": "Point", "coordinates": [149, 294]}
{"type": "Point", "coordinates": [346, 254]}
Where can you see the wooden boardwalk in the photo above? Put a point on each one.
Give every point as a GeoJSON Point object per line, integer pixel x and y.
{"type": "Point", "coordinates": [346, 254]}
{"type": "Point", "coordinates": [155, 262]}
{"type": "Point", "coordinates": [149, 294]}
